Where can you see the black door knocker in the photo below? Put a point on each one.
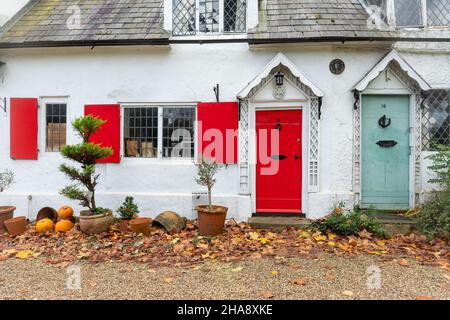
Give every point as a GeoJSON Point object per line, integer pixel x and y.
{"type": "Point", "coordinates": [384, 121]}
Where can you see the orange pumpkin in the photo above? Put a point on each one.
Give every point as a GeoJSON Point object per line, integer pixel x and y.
{"type": "Point", "coordinates": [64, 226]}
{"type": "Point", "coordinates": [65, 212]}
{"type": "Point", "coordinates": [45, 225]}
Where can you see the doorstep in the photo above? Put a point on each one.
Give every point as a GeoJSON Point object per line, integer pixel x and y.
{"type": "Point", "coordinates": [277, 223]}
{"type": "Point", "coordinates": [395, 223]}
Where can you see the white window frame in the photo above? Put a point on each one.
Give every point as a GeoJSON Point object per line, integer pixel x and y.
{"type": "Point", "coordinates": [161, 107]}
{"type": "Point", "coordinates": [42, 121]}
{"type": "Point", "coordinates": [168, 22]}
{"type": "Point", "coordinates": [393, 21]}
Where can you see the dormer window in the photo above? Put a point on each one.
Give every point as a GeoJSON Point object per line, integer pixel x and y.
{"type": "Point", "coordinates": [422, 13]}
{"type": "Point", "coordinates": [414, 13]}
{"type": "Point", "coordinates": [208, 17]}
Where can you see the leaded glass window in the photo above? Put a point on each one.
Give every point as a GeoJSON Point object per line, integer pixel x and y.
{"type": "Point", "coordinates": [184, 17]}
{"type": "Point", "coordinates": [159, 131]}
{"type": "Point", "coordinates": [178, 132]}
{"type": "Point", "coordinates": [141, 132]}
{"type": "Point", "coordinates": [191, 17]}
{"type": "Point", "coordinates": [436, 119]}
{"type": "Point", "coordinates": [209, 16]}
{"type": "Point", "coordinates": [420, 13]}
{"type": "Point", "coordinates": [234, 16]}
{"type": "Point", "coordinates": [438, 12]}
{"type": "Point", "coordinates": [408, 13]}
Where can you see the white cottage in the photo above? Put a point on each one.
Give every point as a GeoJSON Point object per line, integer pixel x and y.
{"type": "Point", "coordinates": [355, 92]}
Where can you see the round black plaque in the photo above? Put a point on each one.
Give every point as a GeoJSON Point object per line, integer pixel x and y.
{"type": "Point", "coordinates": [337, 66]}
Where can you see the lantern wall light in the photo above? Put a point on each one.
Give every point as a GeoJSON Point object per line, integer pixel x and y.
{"type": "Point", "coordinates": [279, 79]}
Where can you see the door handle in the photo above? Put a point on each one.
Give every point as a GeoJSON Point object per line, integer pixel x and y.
{"type": "Point", "coordinates": [279, 157]}
{"type": "Point", "coordinates": [297, 157]}
{"type": "Point", "coordinates": [387, 143]}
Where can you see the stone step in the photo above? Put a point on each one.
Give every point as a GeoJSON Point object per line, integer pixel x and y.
{"type": "Point", "coordinates": [393, 223]}
{"type": "Point", "coordinates": [277, 223]}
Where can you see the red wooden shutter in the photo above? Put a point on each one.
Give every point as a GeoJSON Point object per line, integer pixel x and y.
{"type": "Point", "coordinates": [218, 131]}
{"type": "Point", "coordinates": [109, 133]}
{"type": "Point", "coordinates": [24, 128]}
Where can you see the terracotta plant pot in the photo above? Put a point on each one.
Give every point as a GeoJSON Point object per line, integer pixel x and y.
{"type": "Point", "coordinates": [211, 219]}
{"type": "Point", "coordinates": [16, 226]}
{"type": "Point", "coordinates": [47, 213]}
{"type": "Point", "coordinates": [140, 225]}
{"type": "Point", "coordinates": [6, 213]}
{"type": "Point", "coordinates": [95, 224]}
{"type": "Point", "coordinates": [123, 225]}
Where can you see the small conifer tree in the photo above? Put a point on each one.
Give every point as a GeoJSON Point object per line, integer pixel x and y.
{"type": "Point", "coordinates": [86, 155]}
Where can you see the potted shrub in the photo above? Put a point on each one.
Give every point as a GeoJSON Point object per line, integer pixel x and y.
{"type": "Point", "coordinates": [6, 212]}
{"type": "Point", "coordinates": [94, 219]}
{"type": "Point", "coordinates": [211, 218]}
{"type": "Point", "coordinates": [127, 211]}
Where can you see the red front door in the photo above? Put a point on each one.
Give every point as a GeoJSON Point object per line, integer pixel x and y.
{"type": "Point", "coordinates": [279, 161]}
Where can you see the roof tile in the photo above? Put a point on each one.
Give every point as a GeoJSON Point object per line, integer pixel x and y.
{"type": "Point", "coordinates": [100, 20]}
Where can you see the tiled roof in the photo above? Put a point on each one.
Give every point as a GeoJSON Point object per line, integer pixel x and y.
{"type": "Point", "coordinates": [50, 23]}
{"type": "Point", "coordinates": [100, 20]}
{"type": "Point", "coordinates": [303, 19]}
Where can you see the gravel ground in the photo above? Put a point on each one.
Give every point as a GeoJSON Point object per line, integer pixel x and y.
{"type": "Point", "coordinates": [327, 277]}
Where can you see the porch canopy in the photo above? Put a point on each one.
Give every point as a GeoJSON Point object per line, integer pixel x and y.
{"type": "Point", "coordinates": [394, 60]}
{"type": "Point", "coordinates": [280, 60]}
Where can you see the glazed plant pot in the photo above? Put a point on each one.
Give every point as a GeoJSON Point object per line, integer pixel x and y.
{"type": "Point", "coordinates": [93, 224]}
{"type": "Point", "coordinates": [211, 219]}
{"type": "Point", "coordinates": [140, 225]}
{"type": "Point", "coordinates": [16, 226]}
{"type": "Point", "coordinates": [6, 213]}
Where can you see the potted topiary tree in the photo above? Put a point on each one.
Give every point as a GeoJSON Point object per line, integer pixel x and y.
{"type": "Point", "coordinates": [95, 219]}
{"type": "Point", "coordinates": [6, 212]}
{"type": "Point", "coordinates": [127, 211]}
{"type": "Point", "coordinates": [211, 218]}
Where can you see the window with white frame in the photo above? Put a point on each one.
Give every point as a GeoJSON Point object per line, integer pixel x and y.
{"type": "Point", "coordinates": [55, 126]}
{"type": "Point", "coordinates": [159, 131]}
{"type": "Point", "coordinates": [413, 13]}
{"type": "Point", "coordinates": [420, 13]}
{"type": "Point", "coordinates": [436, 119]}
{"type": "Point", "coordinates": [191, 17]}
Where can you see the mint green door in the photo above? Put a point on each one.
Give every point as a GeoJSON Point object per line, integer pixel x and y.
{"type": "Point", "coordinates": [385, 151]}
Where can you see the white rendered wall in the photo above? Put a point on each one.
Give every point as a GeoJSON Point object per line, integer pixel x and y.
{"type": "Point", "coordinates": [180, 73]}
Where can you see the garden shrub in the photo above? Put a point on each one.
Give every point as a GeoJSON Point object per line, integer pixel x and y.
{"type": "Point", "coordinates": [434, 218]}
{"type": "Point", "coordinates": [350, 223]}
{"type": "Point", "coordinates": [128, 210]}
